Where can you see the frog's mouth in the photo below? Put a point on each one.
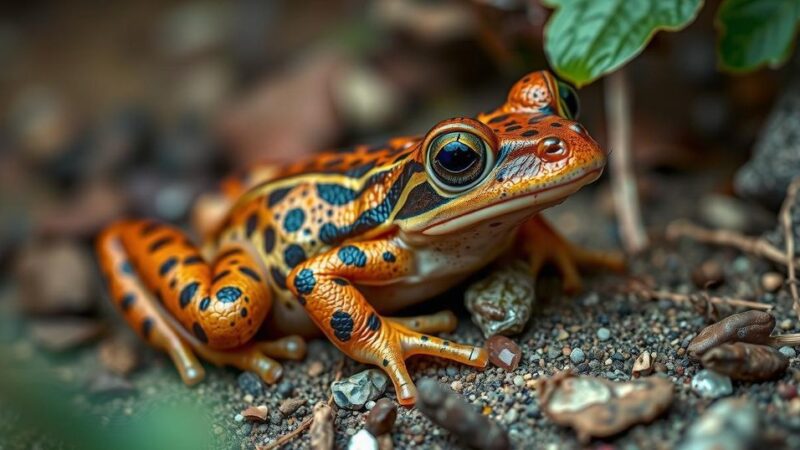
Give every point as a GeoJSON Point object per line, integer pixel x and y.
{"type": "Point", "coordinates": [534, 201]}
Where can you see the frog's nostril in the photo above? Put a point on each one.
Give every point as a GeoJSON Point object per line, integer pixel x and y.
{"type": "Point", "coordinates": [552, 148]}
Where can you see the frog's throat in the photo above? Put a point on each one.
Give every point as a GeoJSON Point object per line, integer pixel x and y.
{"type": "Point", "coordinates": [535, 201]}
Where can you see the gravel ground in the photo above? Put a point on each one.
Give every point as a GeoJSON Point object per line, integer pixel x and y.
{"type": "Point", "coordinates": [560, 332]}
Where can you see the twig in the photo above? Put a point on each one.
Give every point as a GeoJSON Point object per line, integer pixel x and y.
{"type": "Point", "coordinates": [747, 244]}
{"type": "Point", "coordinates": [788, 234]}
{"type": "Point", "coordinates": [304, 425]}
{"type": "Point", "coordinates": [785, 339]}
{"type": "Point", "coordinates": [623, 180]}
{"type": "Point", "coordinates": [683, 298]}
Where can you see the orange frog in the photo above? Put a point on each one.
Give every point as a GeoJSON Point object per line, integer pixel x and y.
{"type": "Point", "coordinates": [338, 242]}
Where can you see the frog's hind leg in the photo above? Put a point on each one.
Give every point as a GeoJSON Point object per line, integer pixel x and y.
{"type": "Point", "coordinates": [215, 308]}
{"type": "Point", "coordinates": [139, 309]}
{"type": "Point", "coordinates": [440, 322]}
{"type": "Point", "coordinates": [543, 244]}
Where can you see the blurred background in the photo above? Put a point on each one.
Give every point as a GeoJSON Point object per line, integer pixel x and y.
{"type": "Point", "coordinates": [136, 107]}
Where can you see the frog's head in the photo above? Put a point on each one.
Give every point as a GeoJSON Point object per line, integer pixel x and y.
{"type": "Point", "coordinates": [524, 156]}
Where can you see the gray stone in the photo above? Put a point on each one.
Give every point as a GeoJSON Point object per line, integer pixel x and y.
{"type": "Point", "coordinates": [251, 384]}
{"type": "Point", "coordinates": [501, 303]}
{"type": "Point", "coordinates": [709, 384]}
{"type": "Point", "coordinates": [603, 334]}
{"type": "Point", "coordinates": [787, 351]}
{"type": "Point", "coordinates": [362, 440]}
{"type": "Point", "coordinates": [577, 356]}
{"type": "Point", "coordinates": [355, 391]}
{"type": "Point", "coordinates": [732, 424]}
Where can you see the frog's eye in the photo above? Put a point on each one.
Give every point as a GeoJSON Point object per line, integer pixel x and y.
{"type": "Point", "coordinates": [458, 160]}
{"type": "Point", "coordinates": [568, 99]}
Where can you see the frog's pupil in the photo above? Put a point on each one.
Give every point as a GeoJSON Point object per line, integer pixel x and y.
{"type": "Point", "coordinates": [456, 157]}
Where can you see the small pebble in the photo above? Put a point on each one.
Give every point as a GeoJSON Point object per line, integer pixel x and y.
{"type": "Point", "coordinates": [519, 381]}
{"type": "Point", "coordinates": [710, 384]}
{"type": "Point", "coordinates": [772, 281]}
{"type": "Point", "coordinates": [503, 352]}
{"type": "Point", "coordinates": [603, 334]}
{"type": "Point", "coordinates": [238, 418]}
{"type": "Point", "coordinates": [362, 440]}
{"type": "Point", "coordinates": [382, 417]}
{"type": "Point", "coordinates": [787, 351]}
{"type": "Point", "coordinates": [577, 356]}
{"type": "Point", "coordinates": [290, 405]}
{"type": "Point", "coordinates": [251, 384]}
{"type": "Point", "coordinates": [256, 413]}
{"type": "Point", "coordinates": [315, 369]}
{"type": "Point", "coordinates": [355, 391]}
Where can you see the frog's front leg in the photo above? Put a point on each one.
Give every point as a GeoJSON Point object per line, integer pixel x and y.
{"type": "Point", "coordinates": [324, 286]}
{"type": "Point", "coordinates": [543, 244]}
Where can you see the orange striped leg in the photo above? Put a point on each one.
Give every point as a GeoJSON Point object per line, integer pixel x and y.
{"type": "Point", "coordinates": [543, 244]}
{"type": "Point", "coordinates": [139, 308]}
{"type": "Point", "coordinates": [323, 285]}
{"type": "Point", "coordinates": [221, 304]}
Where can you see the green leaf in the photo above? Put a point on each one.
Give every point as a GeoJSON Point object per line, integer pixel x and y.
{"type": "Point", "coordinates": [586, 39]}
{"type": "Point", "coordinates": [753, 33]}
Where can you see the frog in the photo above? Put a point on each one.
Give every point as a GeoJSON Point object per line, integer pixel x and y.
{"type": "Point", "coordinates": [338, 243]}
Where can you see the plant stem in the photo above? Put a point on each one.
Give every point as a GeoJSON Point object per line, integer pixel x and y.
{"type": "Point", "coordinates": [623, 180]}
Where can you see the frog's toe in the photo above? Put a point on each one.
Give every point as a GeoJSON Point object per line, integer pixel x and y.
{"type": "Point", "coordinates": [289, 347]}
{"type": "Point", "coordinates": [440, 322]}
{"type": "Point", "coordinates": [249, 358]}
{"type": "Point", "coordinates": [421, 344]}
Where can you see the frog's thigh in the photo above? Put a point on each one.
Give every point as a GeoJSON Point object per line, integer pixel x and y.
{"type": "Point", "coordinates": [219, 305]}
{"type": "Point", "coordinates": [324, 286]}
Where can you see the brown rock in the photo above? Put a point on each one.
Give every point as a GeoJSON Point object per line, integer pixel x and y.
{"type": "Point", "coordinates": [708, 275]}
{"type": "Point", "coordinates": [55, 278]}
{"type": "Point", "coordinates": [596, 407]}
{"type": "Point", "coordinates": [119, 355]}
{"type": "Point", "coordinates": [322, 427]}
{"type": "Point", "coordinates": [503, 352]}
{"type": "Point", "coordinates": [772, 281]}
{"type": "Point", "coordinates": [749, 326]}
{"type": "Point", "coordinates": [256, 413]}
{"type": "Point", "coordinates": [448, 410]}
{"type": "Point", "coordinates": [381, 417]}
{"type": "Point", "coordinates": [62, 334]}
{"type": "Point", "coordinates": [290, 405]}
{"type": "Point", "coordinates": [643, 365]}
{"type": "Point", "coordinates": [746, 362]}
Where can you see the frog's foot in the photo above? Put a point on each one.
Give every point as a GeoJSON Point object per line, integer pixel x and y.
{"type": "Point", "coordinates": [544, 245]}
{"type": "Point", "coordinates": [394, 343]}
{"type": "Point", "coordinates": [250, 357]}
{"type": "Point", "coordinates": [441, 322]}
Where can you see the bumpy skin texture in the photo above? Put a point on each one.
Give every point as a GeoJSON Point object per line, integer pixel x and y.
{"type": "Point", "coordinates": [316, 237]}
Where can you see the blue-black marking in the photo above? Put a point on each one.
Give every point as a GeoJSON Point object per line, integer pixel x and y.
{"type": "Point", "coordinates": [341, 281]}
{"type": "Point", "coordinates": [127, 301]}
{"type": "Point", "coordinates": [335, 194]}
{"type": "Point", "coordinates": [126, 267]}
{"type": "Point", "coordinates": [187, 293]}
{"type": "Point", "coordinates": [220, 276]}
{"type": "Point", "coordinates": [293, 255]}
{"type": "Point", "coordinates": [160, 243]}
{"type": "Point", "coordinates": [167, 266]}
{"type": "Point", "coordinates": [277, 195]}
{"type": "Point", "coordinates": [147, 327]}
{"type": "Point", "coordinates": [250, 273]}
{"type": "Point", "coordinates": [499, 119]}
{"type": "Point", "coordinates": [269, 239]}
{"type": "Point", "coordinates": [389, 257]}
{"type": "Point", "coordinates": [530, 133]}
{"type": "Point", "coordinates": [229, 294]}
{"type": "Point", "coordinates": [342, 325]}
{"type": "Point", "coordinates": [243, 312]}
{"type": "Point", "coordinates": [425, 199]}
{"type": "Point", "coordinates": [200, 333]}
{"type": "Point", "coordinates": [251, 224]}
{"type": "Point", "coordinates": [278, 277]}
{"type": "Point", "coordinates": [149, 228]}
{"type": "Point", "coordinates": [351, 255]}
{"type": "Point", "coordinates": [205, 303]}
{"type": "Point", "coordinates": [305, 281]}
{"type": "Point", "coordinates": [194, 259]}
{"type": "Point", "coordinates": [294, 220]}
{"type": "Point", "coordinates": [228, 254]}
{"type": "Point", "coordinates": [373, 322]}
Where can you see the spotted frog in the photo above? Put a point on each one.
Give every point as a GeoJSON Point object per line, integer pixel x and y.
{"type": "Point", "coordinates": [340, 242]}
